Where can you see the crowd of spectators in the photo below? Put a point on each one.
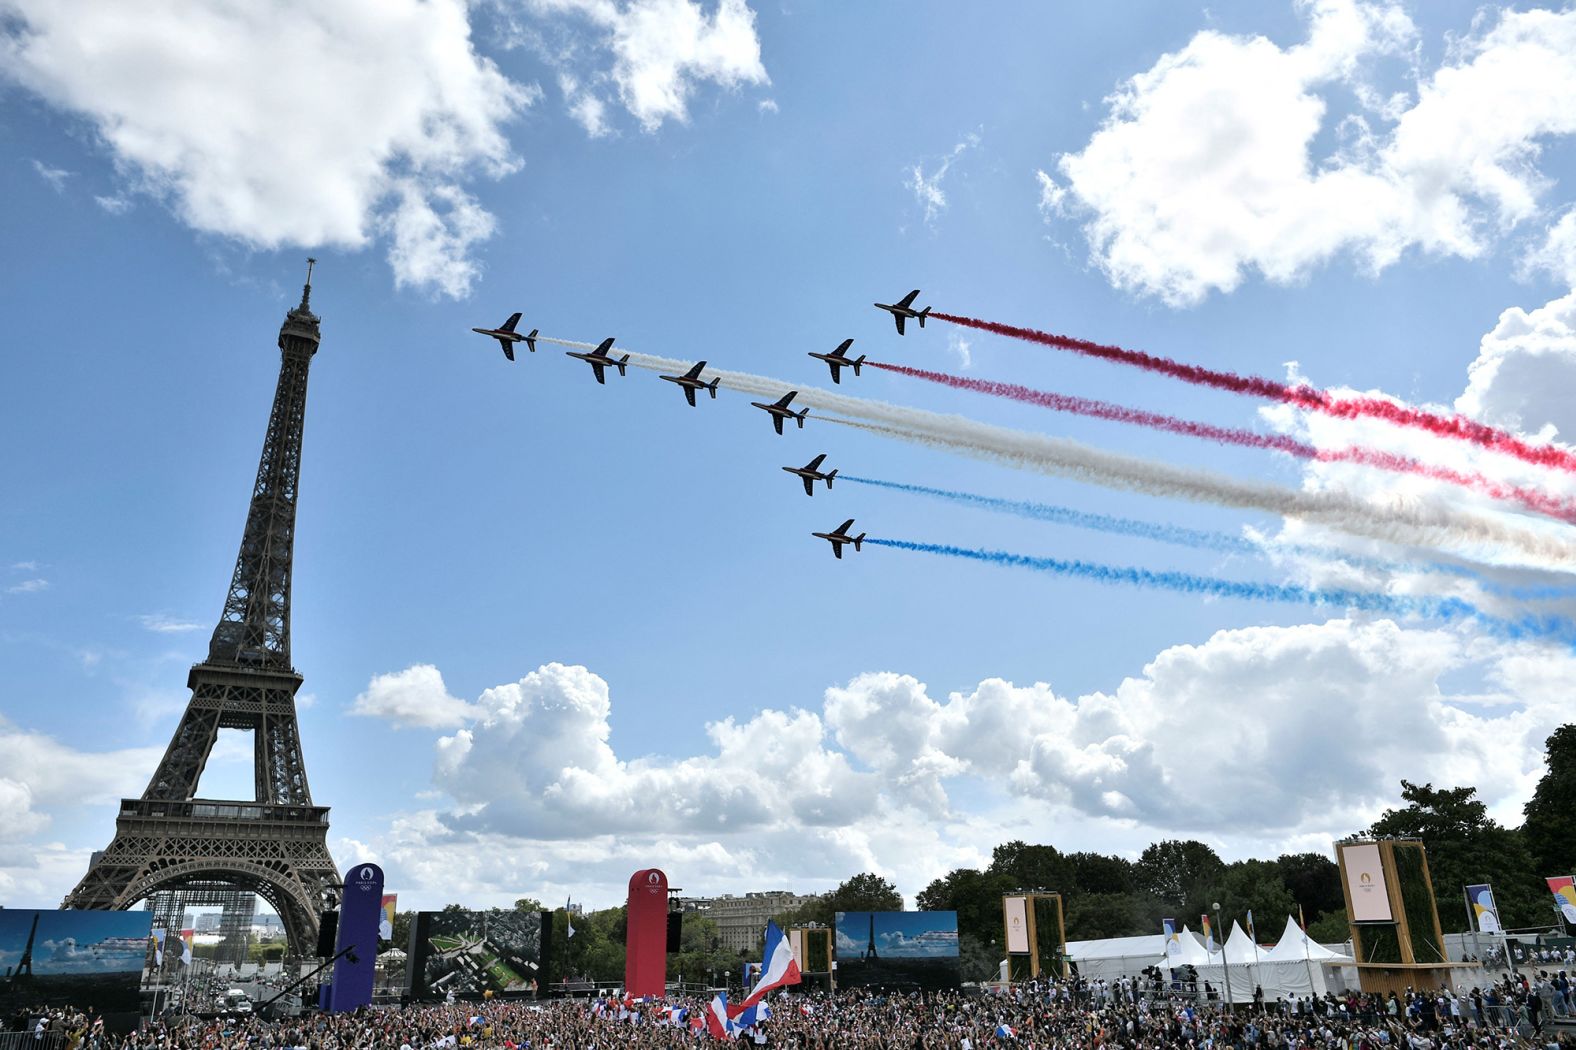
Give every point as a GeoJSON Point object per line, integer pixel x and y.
{"type": "Point", "coordinates": [1516, 1011]}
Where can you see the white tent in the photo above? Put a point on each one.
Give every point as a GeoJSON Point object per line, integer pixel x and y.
{"type": "Point", "coordinates": [1297, 946]}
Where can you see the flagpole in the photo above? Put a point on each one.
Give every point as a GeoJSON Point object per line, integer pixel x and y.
{"type": "Point", "coordinates": [1253, 938]}
{"type": "Point", "coordinates": [1306, 962]}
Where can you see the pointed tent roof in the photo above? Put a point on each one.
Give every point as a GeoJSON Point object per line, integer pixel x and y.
{"type": "Point", "coordinates": [1193, 953]}
{"type": "Point", "coordinates": [1240, 948]}
{"type": "Point", "coordinates": [1296, 946]}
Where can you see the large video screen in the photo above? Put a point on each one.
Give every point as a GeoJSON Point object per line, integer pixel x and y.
{"type": "Point", "coordinates": [897, 949]}
{"type": "Point", "coordinates": [92, 960]}
{"type": "Point", "coordinates": [470, 953]}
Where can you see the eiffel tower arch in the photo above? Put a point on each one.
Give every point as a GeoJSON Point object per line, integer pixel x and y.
{"type": "Point", "coordinates": [276, 843]}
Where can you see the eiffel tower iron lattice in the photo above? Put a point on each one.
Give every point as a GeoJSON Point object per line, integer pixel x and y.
{"type": "Point", "coordinates": [276, 844]}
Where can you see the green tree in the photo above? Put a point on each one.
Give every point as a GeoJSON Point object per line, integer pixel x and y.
{"type": "Point", "coordinates": [976, 897]}
{"type": "Point", "coordinates": [1464, 847]}
{"type": "Point", "coordinates": [864, 892]}
{"type": "Point", "coordinates": [1029, 867]}
{"type": "Point", "coordinates": [1092, 916]}
{"type": "Point", "coordinates": [1098, 873]}
{"type": "Point", "coordinates": [1256, 886]}
{"type": "Point", "coordinates": [1180, 873]}
{"type": "Point", "coordinates": [1314, 882]}
{"type": "Point", "coordinates": [528, 904]}
{"type": "Point", "coordinates": [1550, 826]}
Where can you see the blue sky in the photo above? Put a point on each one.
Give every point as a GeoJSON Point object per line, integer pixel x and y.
{"type": "Point", "coordinates": [553, 632]}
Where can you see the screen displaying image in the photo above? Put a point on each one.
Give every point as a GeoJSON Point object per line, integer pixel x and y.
{"type": "Point", "coordinates": [473, 952]}
{"type": "Point", "coordinates": [92, 960]}
{"type": "Point", "coordinates": [897, 949]}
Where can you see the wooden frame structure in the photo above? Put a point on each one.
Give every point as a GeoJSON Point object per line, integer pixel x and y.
{"type": "Point", "coordinates": [1031, 919]}
{"type": "Point", "coordinates": [1407, 970]}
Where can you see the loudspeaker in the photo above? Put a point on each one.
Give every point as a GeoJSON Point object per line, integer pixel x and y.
{"type": "Point", "coordinates": [675, 930]}
{"type": "Point", "coordinates": [327, 930]}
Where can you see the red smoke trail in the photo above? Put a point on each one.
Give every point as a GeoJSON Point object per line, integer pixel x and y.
{"type": "Point", "coordinates": [1302, 395]}
{"type": "Point", "coordinates": [1554, 507]}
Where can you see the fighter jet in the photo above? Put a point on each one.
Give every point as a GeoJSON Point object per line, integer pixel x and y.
{"type": "Point", "coordinates": [691, 382]}
{"type": "Point", "coordinates": [903, 308]}
{"type": "Point", "coordinates": [811, 472]}
{"type": "Point", "coordinates": [780, 411]}
{"type": "Point", "coordinates": [507, 336]}
{"type": "Point", "coordinates": [838, 358]}
{"type": "Point", "coordinates": [599, 359]}
{"type": "Point", "coordinates": [839, 536]}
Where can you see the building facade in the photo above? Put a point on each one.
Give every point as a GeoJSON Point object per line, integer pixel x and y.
{"type": "Point", "coordinates": [741, 920]}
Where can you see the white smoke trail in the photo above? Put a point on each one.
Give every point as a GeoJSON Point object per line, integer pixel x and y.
{"type": "Point", "coordinates": [1410, 524]}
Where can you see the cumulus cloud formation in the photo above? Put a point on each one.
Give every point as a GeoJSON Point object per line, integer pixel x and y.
{"type": "Point", "coordinates": [415, 696]}
{"type": "Point", "coordinates": [1205, 169]}
{"type": "Point", "coordinates": [661, 50]}
{"type": "Point", "coordinates": [1244, 738]}
{"type": "Point", "coordinates": [1525, 371]}
{"type": "Point", "coordinates": [285, 122]}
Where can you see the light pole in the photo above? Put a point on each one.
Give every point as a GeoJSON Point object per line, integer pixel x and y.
{"type": "Point", "coordinates": [1225, 964]}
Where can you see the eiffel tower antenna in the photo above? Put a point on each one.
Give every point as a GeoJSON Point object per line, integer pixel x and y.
{"type": "Point", "coordinates": [276, 843]}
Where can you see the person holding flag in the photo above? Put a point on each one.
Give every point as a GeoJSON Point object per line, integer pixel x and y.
{"type": "Point", "coordinates": [778, 966]}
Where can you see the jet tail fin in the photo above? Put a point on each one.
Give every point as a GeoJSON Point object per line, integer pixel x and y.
{"type": "Point", "coordinates": [530, 340]}
{"type": "Point", "coordinates": [830, 477]}
{"type": "Point", "coordinates": [922, 315]}
{"type": "Point", "coordinates": [857, 362]}
{"type": "Point", "coordinates": [713, 387]}
{"type": "Point", "coordinates": [800, 417]}
{"type": "Point", "coordinates": [622, 364]}
{"type": "Point", "coordinates": [858, 540]}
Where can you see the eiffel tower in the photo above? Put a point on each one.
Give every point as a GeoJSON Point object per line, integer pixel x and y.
{"type": "Point", "coordinates": [276, 844]}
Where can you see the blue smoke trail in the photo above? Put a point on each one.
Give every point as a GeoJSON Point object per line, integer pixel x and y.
{"type": "Point", "coordinates": [1449, 609]}
{"type": "Point", "coordinates": [1201, 539]}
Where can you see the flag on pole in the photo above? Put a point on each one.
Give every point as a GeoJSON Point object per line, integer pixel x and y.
{"type": "Point", "coordinates": [186, 946]}
{"type": "Point", "coordinates": [569, 916]}
{"type": "Point", "coordinates": [717, 1017]}
{"type": "Point", "coordinates": [1302, 923]}
{"type": "Point", "coordinates": [778, 967]}
{"type": "Point", "coordinates": [386, 920]}
{"type": "Point", "coordinates": [1484, 910]}
{"type": "Point", "coordinates": [1252, 934]}
{"type": "Point", "coordinates": [1209, 935]}
{"type": "Point", "coordinates": [158, 948]}
{"type": "Point", "coordinates": [1173, 942]}
{"type": "Point", "coordinates": [1564, 890]}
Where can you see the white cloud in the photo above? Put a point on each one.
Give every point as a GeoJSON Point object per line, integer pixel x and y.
{"type": "Point", "coordinates": [767, 105]}
{"type": "Point", "coordinates": [588, 110]}
{"type": "Point", "coordinates": [1525, 371]}
{"type": "Point", "coordinates": [927, 190]}
{"type": "Point", "coordinates": [56, 177]}
{"type": "Point", "coordinates": [25, 566]}
{"type": "Point", "coordinates": [285, 122]}
{"type": "Point", "coordinates": [32, 586]}
{"type": "Point", "coordinates": [1557, 254]}
{"type": "Point", "coordinates": [1204, 167]}
{"type": "Point", "coordinates": [162, 623]}
{"type": "Point", "coordinates": [1244, 739]}
{"type": "Point", "coordinates": [415, 696]}
{"type": "Point", "coordinates": [960, 345]}
{"type": "Point", "coordinates": [59, 775]}
{"type": "Point", "coordinates": [117, 204]}
{"type": "Point", "coordinates": [661, 50]}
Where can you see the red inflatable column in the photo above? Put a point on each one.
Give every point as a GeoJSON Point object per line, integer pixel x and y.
{"type": "Point", "coordinates": [646, 946]}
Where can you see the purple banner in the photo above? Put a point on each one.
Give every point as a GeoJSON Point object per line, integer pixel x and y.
{"type": "Point", "coordinates": [359, 913]}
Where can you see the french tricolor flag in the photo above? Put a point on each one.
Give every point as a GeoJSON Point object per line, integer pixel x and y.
{"type": "Point", "coordinates": [717, 1022]}
{"type": "Point", "coordinates": [1006, 1031]}
{"type": "Point", "coordinates": [778, 967]}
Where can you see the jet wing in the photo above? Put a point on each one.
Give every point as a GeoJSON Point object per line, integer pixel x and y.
{"type": "Point", "coordinates": [899, 319]}
{"type": "Point", "coordinates": [908, 300]}
{"type": "Point", "coordinates": [606, 345]}
{"type": "Point", "coordinates": [508, 348]}
{"type": "Point", "coordinates": [837, 372]}
{"type": "Point", "coordinates": [777, 421]}
{"type": "Point", "coordinates": [782, 402]}
{"type": "Point", "coordinates": [809, 485]}
{"type": "Point", "coordinates": [689, 395]}
{"type": "Point", "coordinates": [815, 464]}
{"type": "Point", "coordinates": [842, 530]}
{"type": "Point", "coordinates": [596, 366]}
{"type": "Point", "coordinates": [694, 373]}
{"type": "Point", "coordinates": [842, 348]}
{"type": "Point", "coordinates": [837, 549]}
{"type": "Point", "coordinates": [508, 326]}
